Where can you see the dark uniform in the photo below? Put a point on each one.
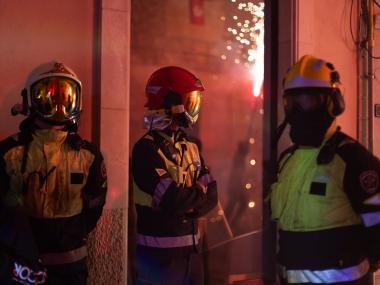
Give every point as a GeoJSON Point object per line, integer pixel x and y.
{"type": "Point", "coordinates": [167, 171]}
{"type": "Point", "coordinates": [327, 204]}
{"type": "Point", "coordinates": [60, 182]}
{"type": "Point", "coordinates": [19, 261]}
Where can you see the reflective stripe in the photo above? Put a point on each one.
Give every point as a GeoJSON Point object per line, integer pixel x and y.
{"type": "Point", "coordinates": [160, 190]}
{"type": "Point", "coordinates": [64, 257]}
{"type": "Point", "coordinates": [206, 179]}
{"type": "Point", "coordinates": [373, 200]}
{"type": "Point", "coordinates": [167, 242]}
{"type": "Point", "coordinates": [370, 219]}
{"type": "Point", "coordinates": [326, 276]}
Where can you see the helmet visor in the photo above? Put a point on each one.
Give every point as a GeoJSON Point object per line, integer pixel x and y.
{"type": "Point", "coordinates": [305, 101]}
{"type": "Point", "coordinates": [56, 98]}
{"type": "Point", "coordinates": [192, 102]}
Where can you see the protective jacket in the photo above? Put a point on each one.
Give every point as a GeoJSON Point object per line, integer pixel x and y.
{"type": "Point", "coordinates": [168, 177]}
{"type": "Point", "coordinates": [327, 205]}
{"type": "Point", "coordinates": [60, 181]}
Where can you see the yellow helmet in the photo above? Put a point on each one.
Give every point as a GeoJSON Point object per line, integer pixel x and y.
{"type": "Point", "coordinates": [315, 73]}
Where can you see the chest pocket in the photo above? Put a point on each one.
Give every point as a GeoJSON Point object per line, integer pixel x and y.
{"type": "Point", "coordinates": [76, 178]}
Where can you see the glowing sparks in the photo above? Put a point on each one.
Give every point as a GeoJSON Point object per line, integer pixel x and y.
{"type": "Point", "coordinates": [249, 33]}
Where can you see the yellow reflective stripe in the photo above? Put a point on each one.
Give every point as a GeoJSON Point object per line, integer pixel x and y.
{"type": "Point", "coordinates": [326, 276]}
{"type": "Point", "coordinates": [144, 199]}
{"type": "Point", "coordinates": [141, 198]}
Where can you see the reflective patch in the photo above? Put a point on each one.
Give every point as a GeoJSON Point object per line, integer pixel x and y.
{"type": "Point", "coordinates": [369, 181]}
{"type": "Point", "coordinates": [327, 276]}
{"type": "Point", "coordinates": [370, 219]}
{"type": "Point", "coordinates": [318, 188]}
{"type": "Point", "coordinates": [373, 200]}
{"type": "Point", "coordinates": [76, 177]}
{"type": "Point", "coordinates": [25, 275]}
{"type": "Point", "coordinates": [168, 242]}
{"type": "Point", "coordinates": [160, 171]}
{"type": "Point", "coordinates": [160, 190]}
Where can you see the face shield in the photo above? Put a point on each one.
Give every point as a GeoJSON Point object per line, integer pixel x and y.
{"type": "Point", "coordinates": [56, 98]}
{"type": "Point", "coordinates": [308, 115]}
{"type": "Point", "coordinates": [192, 104]}
{"type": "Point", "coordinates": [303, 100]}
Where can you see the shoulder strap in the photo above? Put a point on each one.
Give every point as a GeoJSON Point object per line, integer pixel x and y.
{"type": "Point", "coordinates": [289, 151]}
{"type": "Point", "coordinates": [165, 145]}
{"type": "Point", "coordinates": [74, 141]}
{"type": "Point", "coordinates": [327, 152]}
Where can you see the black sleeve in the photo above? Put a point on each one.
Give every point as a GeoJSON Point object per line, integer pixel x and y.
{"type": "Point", "coordinates": [146, 166]}
{"type": "Point", "coordinates": [361, 179]}
{"type": "Point", "coordinates": [95, 191]}
{"type": "Point", "coordinates": [361, 183]}
{"type": "Point", "coordinates": [5, 145]}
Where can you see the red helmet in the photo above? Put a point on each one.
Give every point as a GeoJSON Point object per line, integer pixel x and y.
{"type": "Point", "coordinates": [172, 91]}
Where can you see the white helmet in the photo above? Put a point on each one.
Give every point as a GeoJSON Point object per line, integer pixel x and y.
{"type": "Point", "coordinates": [53, 91]}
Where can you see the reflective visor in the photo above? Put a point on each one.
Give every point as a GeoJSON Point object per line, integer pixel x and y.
{"type": "Point", "coordinates": [192, 102]}
{"type": "Point", "coordinates": [56, 98]}
{"type": "Point", "coordinates": [306, 101]}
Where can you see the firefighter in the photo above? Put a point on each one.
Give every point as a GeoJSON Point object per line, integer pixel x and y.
{"type": "Point", "coordinates": [56, 177]}
{"type": "Point", "coordinates": [172, 185]}
{"type": "Point", "coordinates": [326, 200]}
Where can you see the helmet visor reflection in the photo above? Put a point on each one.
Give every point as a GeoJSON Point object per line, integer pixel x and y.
{"type": "Point", "coordinates": [192, 102]}
{"type": "Point", "coordinates": [305, 101]}
{"type": "Point", "coordinates": [56, 98]}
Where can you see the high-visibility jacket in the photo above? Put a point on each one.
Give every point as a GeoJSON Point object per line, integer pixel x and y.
{"type": "Point", "coordinates": [328, 211]}
{"type": "Point", "coordinates": [60, 182]}
{"type": "Point", "coordinates": [167, 198]}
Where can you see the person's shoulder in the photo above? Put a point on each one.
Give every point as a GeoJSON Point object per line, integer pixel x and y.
{"type": "Point", "coordinates": [145, 142]}
{"type": "Point", "coordinates": [91, 147]}
{"type": "Point", "coordinates": [351, 150]}
{"type": "Point", "coordinates": [288, 151]}
{"type": "Point", "coordinates": [77, 143]}
{"type": "Point", "coordinates": [344, 142]}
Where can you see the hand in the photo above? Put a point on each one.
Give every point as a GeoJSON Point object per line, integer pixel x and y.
{"type": "Point", "coordinates": [205, 179]}
{"type": "Point", "coordinates": [201, 186]}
